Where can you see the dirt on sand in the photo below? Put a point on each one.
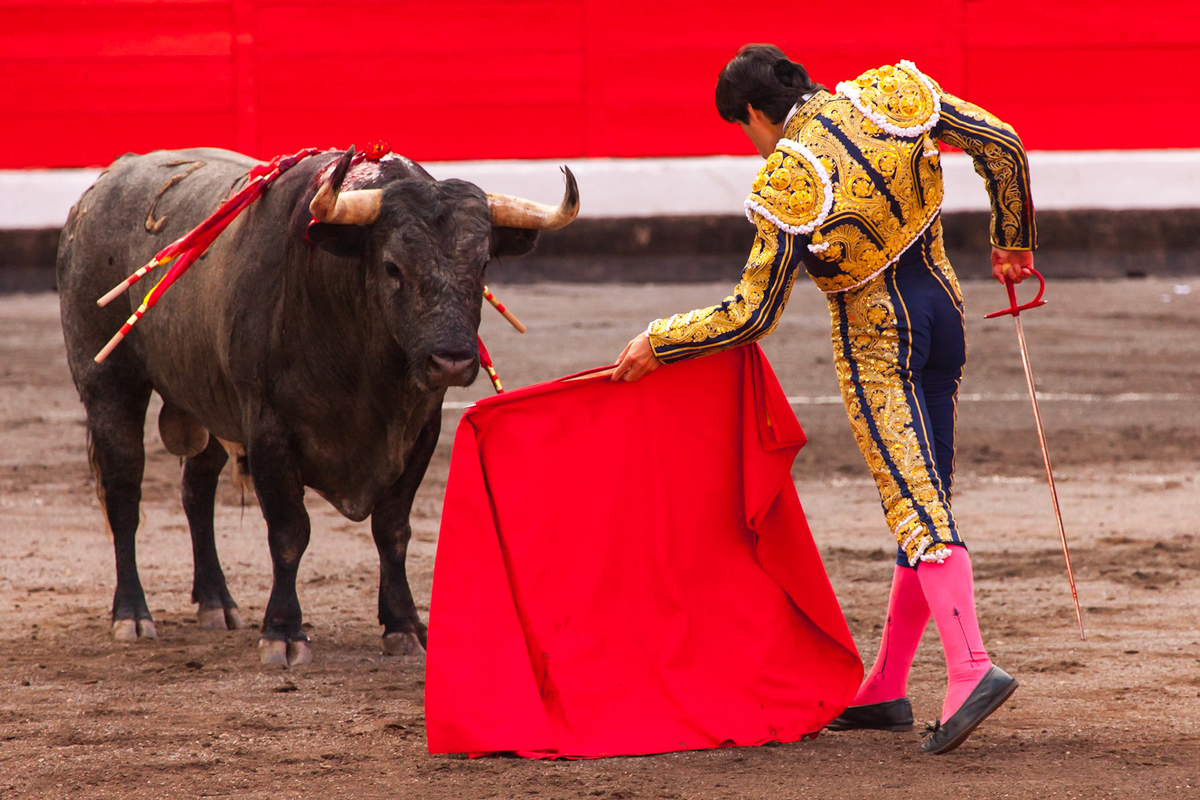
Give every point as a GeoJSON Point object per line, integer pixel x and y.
{"type": "Point", "coordinates": [194, 714]}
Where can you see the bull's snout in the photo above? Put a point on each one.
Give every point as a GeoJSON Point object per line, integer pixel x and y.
{"type": "Point", "coordinates": [453, 369]}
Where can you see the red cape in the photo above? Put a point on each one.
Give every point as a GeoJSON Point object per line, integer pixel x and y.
{"type": "Point", "coordinates": [626, 568]}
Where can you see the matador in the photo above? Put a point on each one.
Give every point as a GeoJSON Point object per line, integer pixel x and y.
{"type": "Point", "coordinates": [852, 192]}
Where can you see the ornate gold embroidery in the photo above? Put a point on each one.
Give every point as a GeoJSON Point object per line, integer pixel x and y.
{"type": "Point", "coordinates": [890, 217]}
{"type": "Point", "coordinates": [999, 159]}
{"type": "Point", "coordinates": [874, 349]}
{"type": "Point", "coordinates": [896, 95]}
{"type": "Point", "coordinates": [862, 230]}
{"type": "Point", "coordinates": [755, 289]}
{"type": "Point", "coordinates": [848, 245]}
{"type": "Point", "coordinates": [976, 113]}
{"type": "Point", "coordinates": [789, 191]}
{"type": "Point", "coordinates": [1000, 176]}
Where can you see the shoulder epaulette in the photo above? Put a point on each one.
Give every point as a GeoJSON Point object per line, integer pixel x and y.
{"type": "Point", "coordinates": [792, 189]}
{"type": "Point", "coordinates": [899, 99]}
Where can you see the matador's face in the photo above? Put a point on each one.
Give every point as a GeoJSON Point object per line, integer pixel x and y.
{"type": "Point", "coordinates": [763, 133]}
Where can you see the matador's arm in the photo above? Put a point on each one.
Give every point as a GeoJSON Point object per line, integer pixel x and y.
{"type": "Point", "coordinates": [750, 313]}
{"type": "Point", "coordinates": [999, 157]}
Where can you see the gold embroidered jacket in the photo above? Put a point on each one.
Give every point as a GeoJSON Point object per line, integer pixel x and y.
{"type": "Point", "coordinates": [854, 181]}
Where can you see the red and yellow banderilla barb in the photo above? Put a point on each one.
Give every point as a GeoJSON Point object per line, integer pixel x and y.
{"type": "Point", "coordinates": [1015, 311]}
{"type": "Point", "coordinates": [189, 247]}
{"type": "Point", "coordinates": [508, 315]}
{"type": "Point", "coordinates": [485, 361]}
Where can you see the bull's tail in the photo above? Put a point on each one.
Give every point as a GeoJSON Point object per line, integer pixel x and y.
{"type": "Point", "coordinates": [241, 468]}
{"type": "Point", "coordinates": [98, 481]}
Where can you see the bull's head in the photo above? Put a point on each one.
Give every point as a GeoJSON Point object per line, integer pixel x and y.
{"type": "Point", "coordinates": [424, 245]}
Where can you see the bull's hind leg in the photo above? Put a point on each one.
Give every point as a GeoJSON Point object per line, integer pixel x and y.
{"type": "Point", "coordinates": [201, 474]}
{"type": "Point", "coordinates": [280, 490]}
{"type": "Point", "coordinates": [403, 631]}
{"type": "Point", "coordinates": [116, 415]}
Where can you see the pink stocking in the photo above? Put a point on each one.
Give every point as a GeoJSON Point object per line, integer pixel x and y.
{"type": "Point", "coordinates": [950, 591]}
{"type": "Point", "coordinates": [907, 615]}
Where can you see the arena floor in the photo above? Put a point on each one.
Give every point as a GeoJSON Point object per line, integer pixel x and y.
{"type": "Point", "coordinates": [194, 714]}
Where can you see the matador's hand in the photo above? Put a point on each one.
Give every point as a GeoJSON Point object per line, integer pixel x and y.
{"type": "Point", "coordinates": [1016, 265]}
{"type": "Point", "coordinates": [636, 360]}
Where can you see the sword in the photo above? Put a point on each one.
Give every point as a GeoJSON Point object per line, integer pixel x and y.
{"type": "Point", "coordinates": [1015, 311]}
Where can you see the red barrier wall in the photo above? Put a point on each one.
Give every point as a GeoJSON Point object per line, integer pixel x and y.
{"type": "Point", "coordinates": [82, 81]}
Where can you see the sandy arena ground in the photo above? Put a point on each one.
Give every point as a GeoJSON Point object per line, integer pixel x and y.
{"type": "Point", "coordinates": [194, 714]}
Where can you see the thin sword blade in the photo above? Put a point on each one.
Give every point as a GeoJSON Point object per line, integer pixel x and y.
{"type": "Point", "coordinates": [1041, 432]}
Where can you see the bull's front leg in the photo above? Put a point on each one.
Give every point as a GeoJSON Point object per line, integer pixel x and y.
{"type": "Point", "coordinates": [403, 630]}
{"type": "Point", "coordinates": [275, 470]}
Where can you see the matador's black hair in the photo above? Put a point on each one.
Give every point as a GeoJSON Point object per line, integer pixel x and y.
{"type": "Point", "coordinates": [761, 75]}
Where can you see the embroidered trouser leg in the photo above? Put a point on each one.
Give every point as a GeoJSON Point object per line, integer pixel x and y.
{"type": "Point", "coordinates": [899, 350]}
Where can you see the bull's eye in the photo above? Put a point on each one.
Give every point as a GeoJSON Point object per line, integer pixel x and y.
{"type": "Point", "coordinates": [392, 270]}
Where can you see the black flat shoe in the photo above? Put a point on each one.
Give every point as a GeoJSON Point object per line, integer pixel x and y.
{"type": "Point", "coordinates": [894, 715]}
{"type": "Point", "coordinates": [996, 687]}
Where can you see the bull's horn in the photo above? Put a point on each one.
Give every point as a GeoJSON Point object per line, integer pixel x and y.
{"type": "Point", "coordinates": [332, 205]}
{"type": "Point", "coordinates": [517, 212]}
{"type": "Point", "coordinates": [358, 207]}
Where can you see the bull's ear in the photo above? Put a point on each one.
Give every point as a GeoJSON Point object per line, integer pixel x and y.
{"type": "Point", "coordinates": [512, 241]}
{"type": "Point", "coordinates": [341, 240]}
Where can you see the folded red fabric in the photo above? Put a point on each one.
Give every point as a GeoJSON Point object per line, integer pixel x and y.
{"type": "Point", "coordinates": [626, 569]}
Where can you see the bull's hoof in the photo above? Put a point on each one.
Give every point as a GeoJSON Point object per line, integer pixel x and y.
{"type": "Point", "coordinates": [284, 654]}
{"type": "Point", "coordinates": [212, 619]}
{"type": "Point", "coordinates": [220, 619]}
{"type": "Point", "coordinates": [273, 652]}
{"type": "Point", "coordinates": [402, 644]}
{"type": "Point", "coordinates": [124, 630]}
{"type": "Point", "coordinates": [298, 653]}
{"type": "Point", "coordinates": [128, 630]}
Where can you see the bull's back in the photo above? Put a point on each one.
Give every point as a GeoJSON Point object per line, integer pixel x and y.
{"type": "Point", "coordinates": [138, 206]}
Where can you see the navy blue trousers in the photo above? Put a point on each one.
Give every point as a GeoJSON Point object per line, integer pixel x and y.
{"type": "Point", "coordinates": [899, 349]}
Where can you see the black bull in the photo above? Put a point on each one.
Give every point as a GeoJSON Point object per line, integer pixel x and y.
{"type": "Point", "coordinates": [322, 353]}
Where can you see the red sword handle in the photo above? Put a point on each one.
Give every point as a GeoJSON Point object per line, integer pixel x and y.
{"type": "Point", "coordinates": [1015, 309]}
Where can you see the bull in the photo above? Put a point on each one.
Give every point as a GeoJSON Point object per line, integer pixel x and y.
{"type": "Point", "coordinates": [315, 339]}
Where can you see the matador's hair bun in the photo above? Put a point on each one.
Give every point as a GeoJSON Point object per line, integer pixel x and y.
{"type": "Point", "coordinates": [764, 77]}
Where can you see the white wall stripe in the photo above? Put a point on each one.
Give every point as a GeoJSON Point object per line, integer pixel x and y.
{"type": "Point", "coordinates": [715, 185]}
